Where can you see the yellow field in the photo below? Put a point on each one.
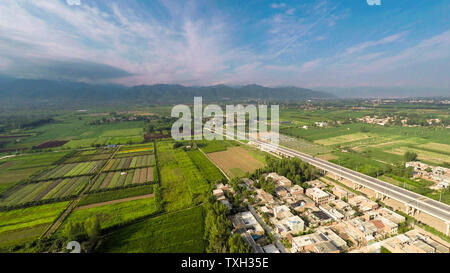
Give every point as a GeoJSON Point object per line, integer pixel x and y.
{"type": "Point", "coordinates": [235, 161]}
{"type": "Point", "coordinates": [435, 146]}
{"type": "Point", "coordinates": [422, 155]}
{"type": "Point", "coordinates": [135, 150]}
{"type": "Point", "coordinates": [342, 139]}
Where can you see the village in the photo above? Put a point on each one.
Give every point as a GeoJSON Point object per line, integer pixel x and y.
{"type": "Point", "coordinates": [323, 218]}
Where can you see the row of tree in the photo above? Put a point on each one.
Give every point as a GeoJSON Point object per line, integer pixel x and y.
{"type": "Point", "coordinates": [218, 231]}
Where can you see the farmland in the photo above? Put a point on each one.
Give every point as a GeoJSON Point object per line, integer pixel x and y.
{"type": "Point", "coordinates": [55, 189]}
{"type": "Point", "coordinates": [72, 170]}
{"type": "Point", "coordinates": [113, 180]}
{"type": "Point", "coordinates": [208, 169]}
{"type": "Point", "coordinates": [370, 148]}
{"type": "Point", "coordinates": [114, 214]}
{"type": "Point", "coordinates": [15, 169]}
{"type": "Point", "coordinates": [236, 161]}
{"type": "Point", "coordinates": [23, 225]}
{"type": "Point", "coordinates": [178, 232]}
{"type": "Point", "coordinates": [114, 195]}
{"type": "Point", "coordinates": [125, 163]}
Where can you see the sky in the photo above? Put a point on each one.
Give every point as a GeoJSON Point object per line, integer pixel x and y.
{"type": "Point", "coordinates": [305, 43]}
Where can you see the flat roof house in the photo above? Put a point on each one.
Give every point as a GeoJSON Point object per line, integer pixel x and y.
{"type": "Point", "coordinates": [318, 195]}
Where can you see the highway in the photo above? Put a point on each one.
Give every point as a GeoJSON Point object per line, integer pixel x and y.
{"type": "Point", "coordinates": [414, 200]}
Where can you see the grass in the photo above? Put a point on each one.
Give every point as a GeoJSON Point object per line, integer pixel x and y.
{"type": "Point", "coordinates": [114, 214]}
{"type": "Point", "coordinates": [208, 169]}
{"type": "Point", "coordinates": [46, 190]}
{"type": "Point", "coordinates": [179, 232]}
{"type": "Point", "coordinates": [23, 225]}
{"type": "Point", "coordinates": [215, 145]}
{"type": "Point", "coordinates": [173, 188]}
{"type": "Point", "coordinates": [114, 195]}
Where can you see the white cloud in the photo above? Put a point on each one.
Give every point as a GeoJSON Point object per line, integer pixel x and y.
{"type": "Point", "coordinates": [278, 5]}
{"type": "Point", "coordinates": [73, 2]}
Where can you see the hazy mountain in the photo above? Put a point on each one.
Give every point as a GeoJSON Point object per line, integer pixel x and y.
{"type": "Point", "coordinates": [385, 92]}
{"type": "Point", "coordinates": [50, 92]}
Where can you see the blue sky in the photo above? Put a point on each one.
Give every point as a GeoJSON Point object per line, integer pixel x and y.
{"type": "Point", "coordinates": [303, 43]}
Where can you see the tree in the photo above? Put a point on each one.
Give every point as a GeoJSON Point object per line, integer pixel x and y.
{"type": "Point", "coordinates": [237, 245]}
{"type": "Point", "coordinates": [410, 156]}
{"type": "Point", "coordinates": [74, 231]}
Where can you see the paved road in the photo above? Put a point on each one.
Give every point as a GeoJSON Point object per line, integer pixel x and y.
{"type": "Point", "coordinates": [420, 202]}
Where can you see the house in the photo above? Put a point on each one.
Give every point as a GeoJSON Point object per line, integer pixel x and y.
{"type": "Point", "coordinates": [390, 227]}
{"type": "Point", "coordinates": [332, 212]}
{"type": "Point", "coordinates": [296, 191]}
{"type": "Point", "coordinates": [282, 212]}
{"type": "Point", "coordinates": [318, 195]}
{"type": "Point", "coordinates": [303, 203]}
{"type": "Point", "coordinates": [363, 203]}
{"type": "Point", "coordinates": [280, 180]}
{"type": "Point", "coordinates": [264, 196]}
{"type": "Point", "coordinates": [321, 123]}
{"type": "Point", "coordinates": [281, 192]}
{"type": "Point", "coordinates": [324, 240]}
{"type": "Point", "coordinates": [341, 193]}
{"type": "Point", "coordinates": [246, 220]}
{"type": "Point", "coordinates": [293, 224]}
{"type": "Point", "coordinates": [413, 242]}
{"type": "Point", "coordinates": [218, 192]}
{"type": "Point", "coordinates": [270, 249]}
{"type": "Point", "coordinates": [392, 216]}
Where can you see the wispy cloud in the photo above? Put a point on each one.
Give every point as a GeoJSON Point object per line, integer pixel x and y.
{"type": "Point", "coordinates": [308, 43]}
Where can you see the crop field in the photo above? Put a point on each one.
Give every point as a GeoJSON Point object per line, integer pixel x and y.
{"type": "Point", "coordinates": [212, 146]}
{"type": "Point", "coordinates": [81, 134]}
{"type": "Point", "coordinates": [120, 179]}
{"type": "Point", "coordinates": [195, 181]}
{"type": "Point", "coordinates": [23, 225]}
{"type": "Point", "coordinates": [303, 145]}
{"type": "Point", "coordinates": [114, 195]}
{"type": "Point", "coordinates": [130, 163]}
{"type": "Point", "coordinates": [173, 185]}
{"type": "Point", "coordinates": [435, 147]}
{"type": "Point", "coordinates": [426, 156]}
{"type": "Point", "coordinates": [15, 169]}
{"type": "Point", "coordinates": [136, 149]}
{"type": "Point", "coordinates": [236, 161]}
{"type": "Point", "coordinates": [178, 232]}
{"type": "Point", "coordinates": [54, 189]}
{"type": "Point", "coordinates": [173, 188]}
{"type": "Point", "coordinates": [207, 169]}
{"type": "Point", "coordinates": [114, 214]}
{"type": "Point", "coordinates": [342, 139]}
{"type": "Point", "coordinates": [73, 169]}
{"type": "Point", "coordinates": [88, 157]}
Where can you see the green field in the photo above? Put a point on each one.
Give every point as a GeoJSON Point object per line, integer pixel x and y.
{"type": "Point", "coordinates": [55, 189]}
{"type": "Point", "coordinates": [114, 195]}
{"type": "Point", "coordinates": [178, 232]}
{"type": "Point", "coordinates": [113, 180]}
{"type": "Point", "coordinates": [23, 225]}
{"type": "Point", "coordinates": [114, 214]}
{"type": "Point", "coordinates": [17, 168]}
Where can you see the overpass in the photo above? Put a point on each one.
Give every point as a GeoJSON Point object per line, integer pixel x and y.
{"type": "Point", "coordinates": [413, 202]}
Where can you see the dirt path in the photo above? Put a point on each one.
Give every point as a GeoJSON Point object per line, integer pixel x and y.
{"type": "Point", "coordinates": [115, 201]}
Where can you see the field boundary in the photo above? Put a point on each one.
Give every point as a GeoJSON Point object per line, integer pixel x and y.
{"type": "Point", "coordinates": [116, 201]}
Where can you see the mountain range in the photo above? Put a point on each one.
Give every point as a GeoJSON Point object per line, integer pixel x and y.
{"type": "Point", "coordinates": [26, 91]}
